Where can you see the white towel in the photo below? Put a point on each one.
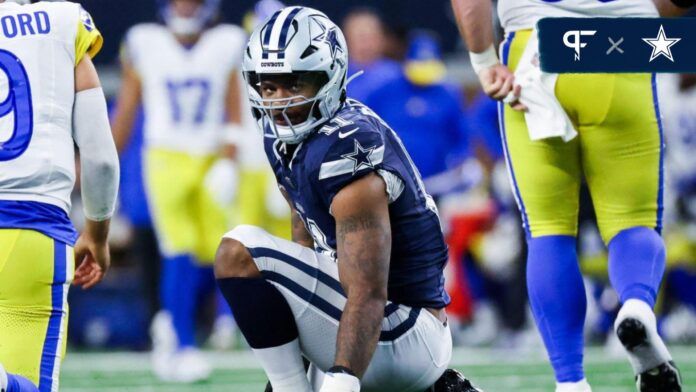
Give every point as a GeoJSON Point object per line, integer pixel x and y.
{"type": "Point", "coordinates": [545, 116]}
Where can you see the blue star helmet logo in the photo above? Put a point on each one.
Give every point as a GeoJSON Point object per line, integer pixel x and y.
{"type": "Point", "coordinates": [361, 157]}
{"type": "Point", "coordinates": [332, 40]}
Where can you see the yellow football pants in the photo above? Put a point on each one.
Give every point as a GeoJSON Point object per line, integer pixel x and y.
{"type": "Point", "coordinates": [35, 274]}
{"type": "Point", "coordinates": [618, 151]}
{"type": "Point", "coordinates": [187, 219]}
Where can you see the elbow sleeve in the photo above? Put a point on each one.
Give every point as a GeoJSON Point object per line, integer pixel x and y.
{"type": "Point", "coordinates": [98, 157]}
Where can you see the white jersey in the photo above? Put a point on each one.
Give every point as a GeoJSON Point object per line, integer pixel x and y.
{"type": "Point", "coordinates": [40, 45]}
{"type": "Point", "coordinates": [184, 89]}
{"type": "Point", "coordinates": [524, 14]}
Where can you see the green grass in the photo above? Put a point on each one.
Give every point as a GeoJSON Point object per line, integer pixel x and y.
{"type": "Point", "coordinates": [494, 371]}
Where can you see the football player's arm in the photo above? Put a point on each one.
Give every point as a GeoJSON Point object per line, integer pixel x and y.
{"type": "Point", "coordinates": [233, 109]}
{"type": "Point", "coordinates": [222, 178]}
{"type": "Point", "coordinates": [99, 174]}
{"type": "Point", "coordinates": [299, 233]}
{"type": "Point", "coordinates": [674, 7]}
{"type": "Point", "coordinates": [476, 27]}
{"type": "Point", "coordinates": [127, 105]}
{"type": "Point", "coordinates": [363, 237]}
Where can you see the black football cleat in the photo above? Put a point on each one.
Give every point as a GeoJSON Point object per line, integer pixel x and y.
{"type": "Point", "coordinates": [662, 378]}
{"type": "Point", "coordinates": [453, 381]}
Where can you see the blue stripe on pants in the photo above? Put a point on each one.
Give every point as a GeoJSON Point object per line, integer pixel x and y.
{"type": "Point", "coordinates": [315, 273]}
{"type": "Point", "coordinates": [661, 185]}
{"type": "Point", "coordinates": [51, 343]}
{"type": "Point", "coordinates": [335, 313]}
{"type": "Point", "coordinates": [503, 134]}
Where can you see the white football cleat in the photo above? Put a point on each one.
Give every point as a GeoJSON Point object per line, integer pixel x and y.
{"type": "Point", "coordinates": [164, 344]}
{"type": "Point", "coordinates": [224, 335]}
{"type": "Point", "coordinates": [580, 386]}
{"type": "Point", "coordinates": [189, 366]}
{"type": "Point", "coordinates": [652, 364]}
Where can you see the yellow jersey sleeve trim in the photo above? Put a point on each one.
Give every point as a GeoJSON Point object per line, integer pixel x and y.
{"type": "Point", "coordinates": [88, 40]}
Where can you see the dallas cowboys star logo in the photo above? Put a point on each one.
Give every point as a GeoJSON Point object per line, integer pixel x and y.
{"type": "Point", "coordinates": [661, 45]}
{"type": "Point", "coordinates": [361, 157]}
{"type": "Point", "coordinates": [332, 40]}
{"type": "Point", "coordinates": [322, 33]}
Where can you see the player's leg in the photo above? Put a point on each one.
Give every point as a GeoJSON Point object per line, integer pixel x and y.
{"type": "Point", "coordinates": [262, 314]}
{"type": "Point", "coordinates": [545, 176]}
{"type": "Point", "coordinates": [212, 222]}
{"type": "Point", "coordinates": [35, 274]}
{"type": "Point", "coordinates": [622, 160]}
{"type": "Point", "coordinates": [174, 220]}
{"type": "Point", "coordinates": [15, 383]}
{"type": "Point", "coordinates": [303, 301]}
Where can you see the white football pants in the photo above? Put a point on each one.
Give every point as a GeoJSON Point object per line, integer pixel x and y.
{"type": "Point", "coordinates": [414, 347]}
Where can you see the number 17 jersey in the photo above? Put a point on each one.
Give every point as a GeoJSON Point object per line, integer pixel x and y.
{"type": "Point", "coordinates": [40, 45]}
{"type": "Point", "coordinates": [184, 89]}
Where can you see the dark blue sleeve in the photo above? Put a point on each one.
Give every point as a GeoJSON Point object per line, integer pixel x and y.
{"type": "Point", "coordinates": [355, 151]}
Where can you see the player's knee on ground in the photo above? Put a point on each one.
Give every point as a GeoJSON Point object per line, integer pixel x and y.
{"type": "Point", "coordinates": [233, 260]}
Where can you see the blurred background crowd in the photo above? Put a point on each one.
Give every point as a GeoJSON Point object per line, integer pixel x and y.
{"type": "Point", "coordinates": [416, 76]}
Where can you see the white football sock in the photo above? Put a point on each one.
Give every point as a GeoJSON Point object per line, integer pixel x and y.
{"type": "Point", "coordinates": [645, 356]}
{"type": "Point", "coordinates": [284, 367]}
{"type": "Point", "coordinates": [578, 386]}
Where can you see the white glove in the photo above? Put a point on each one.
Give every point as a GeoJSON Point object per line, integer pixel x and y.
{"type": "Point", "coordinates": [340, 382]}
{"type": "Point", "coordinates": [222, 180]}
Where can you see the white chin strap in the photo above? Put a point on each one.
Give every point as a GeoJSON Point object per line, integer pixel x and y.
{"type": "Point", "coordinates": [184, 26]}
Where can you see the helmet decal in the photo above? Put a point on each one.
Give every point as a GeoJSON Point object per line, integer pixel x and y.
{"type": "Point", "coordinates": [275, 37]}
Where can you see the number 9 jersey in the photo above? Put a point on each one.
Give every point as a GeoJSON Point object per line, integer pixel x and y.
{"type": "Point", "coordinates": [40, 45]}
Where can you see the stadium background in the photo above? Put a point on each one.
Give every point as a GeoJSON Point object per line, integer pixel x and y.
{"type": "Point", "coordinates": [498, 346]}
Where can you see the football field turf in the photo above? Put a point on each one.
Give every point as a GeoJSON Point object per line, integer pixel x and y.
{"type": "Point", "coordinates": [494, 371]}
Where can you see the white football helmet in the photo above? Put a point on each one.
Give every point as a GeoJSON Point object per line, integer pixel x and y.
{"type": "Point", "coordinates": [297, 42]}
{"type": "Point", "coordinates": [206, 14]}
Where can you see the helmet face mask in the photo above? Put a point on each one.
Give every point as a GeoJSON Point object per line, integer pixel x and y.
{"type": "Point", "coordinates": [289, 101]}
{"type": "Point", "coordinates": [296, 45]}
{"type": "Point", "coordinates": [188, 25]}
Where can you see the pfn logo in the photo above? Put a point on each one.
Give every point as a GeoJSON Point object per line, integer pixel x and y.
{"type": "Point", "coordinates": [572, 39]}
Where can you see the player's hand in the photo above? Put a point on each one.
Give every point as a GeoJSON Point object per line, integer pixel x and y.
{"type": "Point", "coordinates": [499, 83]}
{"type": "Point", "coordinates": [222, 180]}
{"type": "Point", "coordinates": [92, 260]}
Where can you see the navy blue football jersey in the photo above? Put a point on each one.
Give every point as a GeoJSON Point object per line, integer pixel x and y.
{"type": "Point", "coordinates": [354, 143]}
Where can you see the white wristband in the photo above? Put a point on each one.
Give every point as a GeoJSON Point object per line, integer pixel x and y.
{"type": "Point", "coordinates": [232, 134]}
{"type": "Point", "coordinates": [483, 60]}
{"type": "Point", "coordinates": [340, 382]}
